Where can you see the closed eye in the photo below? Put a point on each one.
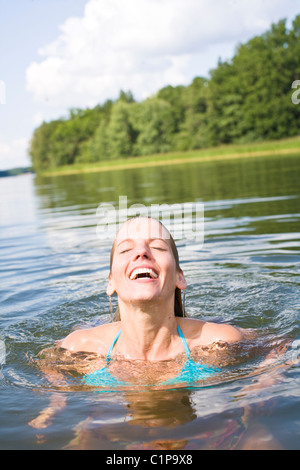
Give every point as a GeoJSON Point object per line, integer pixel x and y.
{"type": "Point", "coordinates": [125, 251]}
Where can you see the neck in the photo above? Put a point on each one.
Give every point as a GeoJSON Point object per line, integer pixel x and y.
{"type": "Point", "coordinates": [148, 331]}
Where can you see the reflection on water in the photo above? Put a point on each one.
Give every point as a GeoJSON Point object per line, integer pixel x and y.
{"type": "Point", "coordinates": [53, 274]}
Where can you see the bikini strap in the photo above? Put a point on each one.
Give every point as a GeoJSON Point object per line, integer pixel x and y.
{"type": "Point", "coordinates": [186, 348]}
{"type": "Point", "coordinates": [112, 346]}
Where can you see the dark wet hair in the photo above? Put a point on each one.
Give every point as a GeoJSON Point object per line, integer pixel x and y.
{"type": "Point", "coordinates": [179, 309]}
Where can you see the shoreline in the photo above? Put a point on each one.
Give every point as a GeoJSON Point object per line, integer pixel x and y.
{"type": "Point", "coordinates": [172, 159]}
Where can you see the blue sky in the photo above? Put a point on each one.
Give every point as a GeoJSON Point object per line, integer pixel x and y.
{"type": "Point", "coordinates": [59, 54]}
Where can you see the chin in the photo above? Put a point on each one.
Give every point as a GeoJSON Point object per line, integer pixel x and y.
{"type": "Point", "coordinates": [143, 299]}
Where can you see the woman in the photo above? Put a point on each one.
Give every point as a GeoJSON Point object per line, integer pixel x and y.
{"type": "Point", "coordinates": [150, 329]}
{"type": "Point", "coordinates": [150, 326]}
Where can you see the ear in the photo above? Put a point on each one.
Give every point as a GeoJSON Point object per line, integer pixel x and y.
{"type": "Point", "coordinates": [181, 282]}
{"type": "Point", "coordinates": [110, 286]}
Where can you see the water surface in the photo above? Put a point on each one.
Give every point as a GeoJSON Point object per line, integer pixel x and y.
{"type": "Point", "coordinates": [53, 274]}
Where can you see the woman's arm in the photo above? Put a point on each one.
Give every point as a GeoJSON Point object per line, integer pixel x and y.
{"type": "Point", "coordinates": [57, 400]}
{"type": "Point", "coordinates": [44, 419]}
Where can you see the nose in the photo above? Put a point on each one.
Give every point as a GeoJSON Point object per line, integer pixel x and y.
{"type": "Point", "coordinates": [142, 251]}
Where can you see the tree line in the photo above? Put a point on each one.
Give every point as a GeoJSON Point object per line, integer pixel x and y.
{"type": "Point", "coordinates": [15, 171]}
{"type": "Point", "coordinates": [247, 99]}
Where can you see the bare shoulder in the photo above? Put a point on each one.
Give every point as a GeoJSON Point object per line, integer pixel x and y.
{"type": "Point", "coordinates": [95, 340]}
{"type": "Point", "coordinates": [201, 333]}
{"type": "Point", "coordinates": [213, 332]}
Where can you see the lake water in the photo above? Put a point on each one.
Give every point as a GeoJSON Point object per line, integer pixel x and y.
{"type": "Point", "coordinates": [54, 263]}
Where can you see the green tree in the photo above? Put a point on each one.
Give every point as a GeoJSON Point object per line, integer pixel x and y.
{"type": "Point", "coordinates": [73, 133]}
{"type": "Point", "coordinates": [154, 124]}
{"type": "Point", "coordinates": [192, 132]}
{"type": "Point", "coordinates": [96, 147]}
{"type": "Point", "coordinates": [250, 95]}
{"type": "Point", "coordinates": [120, 135]}
{"type": "Point", "coordinates": [126, 97]}
{"type": "Point", "coordinates": [40, 147]}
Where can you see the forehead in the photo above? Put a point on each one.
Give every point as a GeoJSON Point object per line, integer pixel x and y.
{"type": "Point", "coordinates": [142, 228]}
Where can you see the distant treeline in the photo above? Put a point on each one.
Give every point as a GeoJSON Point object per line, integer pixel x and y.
{"type": "Point", "coordinates": [15, 172]}
{"type": "Point", "coordinates": [247, 99]}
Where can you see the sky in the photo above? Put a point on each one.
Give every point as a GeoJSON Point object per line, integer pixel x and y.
{"type": "Point", "coordinates": [61, 54]}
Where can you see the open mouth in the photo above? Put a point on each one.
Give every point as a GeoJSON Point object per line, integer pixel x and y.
{"type": "Point", "coordinates": [141, 273]}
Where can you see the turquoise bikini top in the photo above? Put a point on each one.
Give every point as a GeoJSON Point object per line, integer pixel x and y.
{"type": "Point", "coordinates": [191, 371]}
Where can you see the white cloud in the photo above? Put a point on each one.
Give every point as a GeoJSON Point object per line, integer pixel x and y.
{"type": "Point", "coordinates": [38, 118]}
{"type": "Point", "coordinates": [13, 154]}
{"type": "Point", "coordinates": [142, 45]}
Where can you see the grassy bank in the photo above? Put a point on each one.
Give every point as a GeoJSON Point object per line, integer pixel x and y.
{"type": "Point", "coordinates": [224, 152]}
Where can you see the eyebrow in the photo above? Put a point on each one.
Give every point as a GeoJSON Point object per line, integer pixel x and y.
{"type": "Point", "coordinates": [148, 239]}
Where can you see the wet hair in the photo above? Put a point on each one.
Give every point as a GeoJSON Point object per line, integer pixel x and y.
{"type": "Point", "coordinates": [179, 309]}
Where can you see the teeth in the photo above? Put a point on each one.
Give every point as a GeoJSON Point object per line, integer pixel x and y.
{"type": "Point", "coordinates": [138, 271]}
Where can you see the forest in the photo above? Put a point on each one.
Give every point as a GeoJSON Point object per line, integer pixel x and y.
{"type": "Point", "coordinates": [246, 99]}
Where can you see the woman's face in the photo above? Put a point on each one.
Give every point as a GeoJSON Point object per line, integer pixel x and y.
{"type": "Point", "coordinates": [143, 265]}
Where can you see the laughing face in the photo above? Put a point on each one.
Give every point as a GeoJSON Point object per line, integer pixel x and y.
{"type": "Point", "coordinates": [143, 265]}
